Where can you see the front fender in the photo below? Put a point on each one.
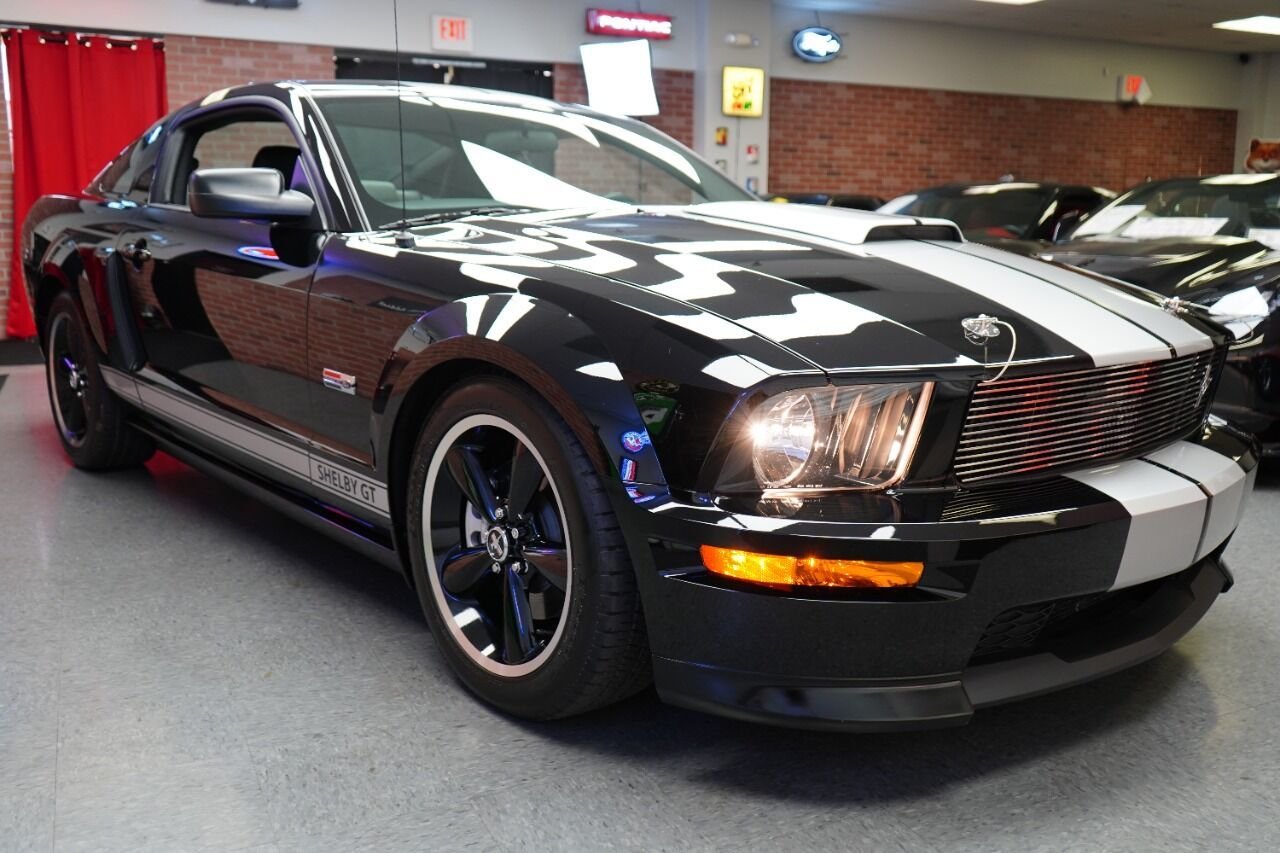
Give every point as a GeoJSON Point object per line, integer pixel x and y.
{"type": "Point", "coordinates": [551, 350]}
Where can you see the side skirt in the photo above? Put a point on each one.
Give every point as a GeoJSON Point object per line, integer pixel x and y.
{"type": "Point", "coordinates": [375, 544]}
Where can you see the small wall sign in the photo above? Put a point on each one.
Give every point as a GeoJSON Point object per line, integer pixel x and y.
{"type": "Point", "coordinates": [451, 33]}
{"type": "Point", "coordinates": [817, 44]}
{"type": "Point", "coordinates": [608, 22]}
{"type": "Point", "coordinates": [742, 91]}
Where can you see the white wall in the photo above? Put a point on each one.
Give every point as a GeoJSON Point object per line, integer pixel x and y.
{"type": "Point", "coordinates": [716, 19]}
{"type": "Point", "coordinates": [889, 52]}
{"type": "Point", "coordinates": [531, 30]}
{"type": "Point", "coordinates": [1260, 106]}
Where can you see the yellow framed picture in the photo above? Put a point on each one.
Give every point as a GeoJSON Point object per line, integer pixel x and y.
{"type": "Point", "coordinates": [743, 91]}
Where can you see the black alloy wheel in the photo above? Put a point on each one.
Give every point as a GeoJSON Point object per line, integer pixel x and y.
{"type": "Point", "coordinates": [68, 380]}
{"type": "Point", "coordinates": [92, 422]}
{"type": "Point", "coordinates": [503, 569]}
{"type": "Point", "coordinates": [517, 557]}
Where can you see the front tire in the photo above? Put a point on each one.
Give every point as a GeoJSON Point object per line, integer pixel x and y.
{"type": "Point", "coordinates": [518, 560]}
{"type": "Point", "coordinates": [90, 420]}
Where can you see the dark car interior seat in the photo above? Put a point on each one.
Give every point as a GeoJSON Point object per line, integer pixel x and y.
{"type": "Point", "coordinates": [287, 160]}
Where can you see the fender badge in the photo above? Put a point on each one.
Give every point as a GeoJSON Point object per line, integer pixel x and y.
{"type": "Point", "coordinates": [633, 441]}
{"type": "Point", "coordinates": [338, 381]}
{"type": "Point", "coordinates": [980, 329]}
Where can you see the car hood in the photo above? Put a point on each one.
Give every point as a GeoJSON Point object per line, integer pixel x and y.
{"type": "Point", "coordinates": [841, 289]}
{"type": "Point", "coordinates": [1171, 266]}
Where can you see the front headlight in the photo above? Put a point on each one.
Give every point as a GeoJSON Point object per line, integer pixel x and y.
{"type": "Point", "coordinates": [836, 437]}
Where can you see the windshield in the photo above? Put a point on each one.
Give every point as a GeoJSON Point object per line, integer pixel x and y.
{"type": "Point", "coordinates": [998, 210]}
{"type": "Point", "coordinates": [1226, 205]}
{"type": "Point", "coordinates": [461, 154]}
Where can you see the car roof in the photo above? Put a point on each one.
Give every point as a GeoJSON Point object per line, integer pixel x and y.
{"type": "Point", "coordinates": [320, 89]}
{"type": "Point", "coordinates": [997, 186]}
{"type": "Point", "coordinates": [1226, 179]}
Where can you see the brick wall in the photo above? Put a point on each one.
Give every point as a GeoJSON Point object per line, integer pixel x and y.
{"type": "Point", "coordinates": [197, 66]}
{"type": "Point", "coordinates": [675, 97]}
{"type": "Point", "coordinates": [194, 67]}
{"type": "Point", "coordinates": [885, 140]}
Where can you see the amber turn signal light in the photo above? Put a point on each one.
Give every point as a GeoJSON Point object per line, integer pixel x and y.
{"type": "Point", "coordinates": [777, 570]}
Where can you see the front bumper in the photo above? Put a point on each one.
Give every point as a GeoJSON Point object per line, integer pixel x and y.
{"type": "Point", "coordinates": [1025, 590]}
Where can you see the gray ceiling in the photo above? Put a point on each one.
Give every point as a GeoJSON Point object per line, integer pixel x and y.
{"type": "Point", "coordinates": [1180, 23]}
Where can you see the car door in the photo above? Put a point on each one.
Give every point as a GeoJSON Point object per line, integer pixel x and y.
{"type": "Point", "coordinates": [222, 304]}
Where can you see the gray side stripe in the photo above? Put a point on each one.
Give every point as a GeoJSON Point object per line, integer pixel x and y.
{"type": "Point", "coordinates": [242, 438]}
{"type": "Point", "coordinates": [327, 476]}
{"type": "Point", "coordinates": [122, 383]}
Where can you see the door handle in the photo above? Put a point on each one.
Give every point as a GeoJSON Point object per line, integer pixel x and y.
{"type": "Point", "coordinates": [137, 252]}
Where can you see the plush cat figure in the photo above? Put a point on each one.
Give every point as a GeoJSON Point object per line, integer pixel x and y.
{"type": "Point", "coordinates": [1264, 156]}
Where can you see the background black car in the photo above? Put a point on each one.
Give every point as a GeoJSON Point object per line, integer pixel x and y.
{"type": "Point", "coordinates": [1212, 241]}
{"type": "Point", "coordinates": [853, 201]}
{"type": "Point", "coordinates": [1021, 216]}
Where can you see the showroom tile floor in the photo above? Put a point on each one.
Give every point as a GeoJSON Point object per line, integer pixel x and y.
{"type": "Point", "coordinates": [182, 669]}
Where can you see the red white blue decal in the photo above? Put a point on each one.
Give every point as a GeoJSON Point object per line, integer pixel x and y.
{"type": "Point", "coordinates": [627, 468]}
{"type": "Point", "coordinates": [261, 253]}
{"type": "Point", "coordinates": [633, 441]}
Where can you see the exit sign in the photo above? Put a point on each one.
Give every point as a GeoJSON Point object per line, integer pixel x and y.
{"type": "Point", "coordinates": [451, 33]}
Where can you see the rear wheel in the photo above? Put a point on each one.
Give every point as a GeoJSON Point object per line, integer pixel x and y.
{"type": "Point", "coordinates": [90, 420]}
{"type": "Point", "coordinates": [518, 559]}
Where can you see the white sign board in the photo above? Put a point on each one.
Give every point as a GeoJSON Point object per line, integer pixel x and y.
{"type": "Point", "coordinates": [451, 33]}
{"type": "Point", "coordinates": [620, 77]}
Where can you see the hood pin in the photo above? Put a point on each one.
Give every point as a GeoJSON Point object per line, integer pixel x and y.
{"type": "Point", "coordinates": [982, 329]}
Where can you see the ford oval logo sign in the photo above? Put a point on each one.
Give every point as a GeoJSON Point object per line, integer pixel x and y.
{"type": "Point", "coordinates": [817, 44]}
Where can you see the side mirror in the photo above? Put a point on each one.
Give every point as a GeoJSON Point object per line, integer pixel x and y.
{"type": "Point", "coordinates": [246, 194]}
{"type": "Point", "coordinates": [1066, 223]}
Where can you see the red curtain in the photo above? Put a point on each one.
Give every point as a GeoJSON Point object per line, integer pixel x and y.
{"type": "Point", "coordinates": [74, 102]}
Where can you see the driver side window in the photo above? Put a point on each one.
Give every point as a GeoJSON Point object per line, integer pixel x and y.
{"type": "Point", "coordinates": [253, 140]}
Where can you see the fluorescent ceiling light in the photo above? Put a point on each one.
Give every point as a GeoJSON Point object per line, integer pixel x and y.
{"type": "Point", "coordinates": [1011, 2]}
{"type": "Point", "coordinates": [1265, 24]}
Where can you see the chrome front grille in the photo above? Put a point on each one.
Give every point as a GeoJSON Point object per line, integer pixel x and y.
{"type": "Point", "coordinates": [1039, 424]}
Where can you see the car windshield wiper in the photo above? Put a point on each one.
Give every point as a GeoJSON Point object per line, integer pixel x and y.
{"type": "Point", "coordinates": [449, 215]}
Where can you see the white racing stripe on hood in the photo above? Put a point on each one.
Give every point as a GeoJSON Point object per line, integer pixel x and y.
{"type": "Point", "coordinates": [1182, 336]}
{"type": "Point", "coordinates": [1105, 337]}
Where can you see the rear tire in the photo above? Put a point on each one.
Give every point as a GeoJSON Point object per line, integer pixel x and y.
{"type": "Point", "coordinates": [90, 420]}
{"type": "Point", "coordinates": [557, 629]}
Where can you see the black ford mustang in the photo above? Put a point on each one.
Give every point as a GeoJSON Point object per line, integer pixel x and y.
{"type": "Point", "coordinates": [614, 419]}
{"type": "Point", "coordinates": [1018, 216]}
{"type": "Point", "coordinates": [1213, 241]}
